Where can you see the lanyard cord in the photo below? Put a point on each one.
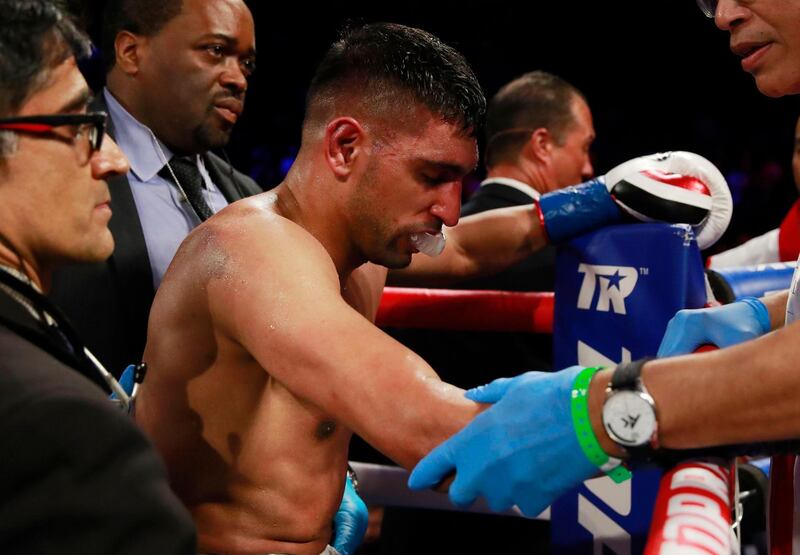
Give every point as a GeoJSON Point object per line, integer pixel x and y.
{"type": "Point", "coordinates": [46, 308]}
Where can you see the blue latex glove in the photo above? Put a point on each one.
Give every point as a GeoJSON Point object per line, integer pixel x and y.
{"type": "Point", "coordinates": [722, 326]}
{"type": "Point", "coordinates": [350, 522]}
{"type": "Point", "coordinates": [521, 451]}
{"type": "Point", "coordinates": [126, 380]}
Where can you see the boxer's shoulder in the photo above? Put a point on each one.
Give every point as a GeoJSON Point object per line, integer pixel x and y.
{"type": "Point", "coordinates": [252, 232]}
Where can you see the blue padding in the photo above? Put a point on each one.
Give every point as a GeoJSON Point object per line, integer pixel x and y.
{"type": "Point", "coordinates": [756, 281]}
{"type": "Point", "coordinates": [762, 464]}
{"type": "Point", "coordinates": [576, 210]}
{"type": "Point", "coordinates": [616, 289]}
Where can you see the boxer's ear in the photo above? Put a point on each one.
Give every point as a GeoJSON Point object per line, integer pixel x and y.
{"type": "Point", "coordinates": [344, 146]}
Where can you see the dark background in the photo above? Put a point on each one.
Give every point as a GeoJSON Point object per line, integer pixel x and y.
{"type": "Point", "coordinates": [658, 76]}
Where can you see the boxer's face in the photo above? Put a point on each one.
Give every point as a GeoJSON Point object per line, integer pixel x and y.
{"type": "Point", "coordinates": [194, 74]}
{"type": "Point", "coordinates": [52, 189]}
{"type": "Point", "coordinates": [570, 163]}
{"type": "Point", "coordinates": [766, 35]}
{"type": "Point", "coordinates": [412, 184]}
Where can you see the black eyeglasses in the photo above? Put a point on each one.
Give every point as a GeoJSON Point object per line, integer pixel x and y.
{"type": "Point", "coordinates": [708, 7]}
{"type": "Point", "coordinates": [93, 125]}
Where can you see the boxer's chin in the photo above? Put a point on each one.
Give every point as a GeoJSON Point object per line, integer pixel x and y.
{"type": "Point", "coordinates": [394, 260]}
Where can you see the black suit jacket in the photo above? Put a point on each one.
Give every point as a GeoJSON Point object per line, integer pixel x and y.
{"type": "Point", "coordinates": [109, 302]}
{"type": "Point", "coordinates": [535, 273]}
{"type": "Point", "coordinates": [76, 474]}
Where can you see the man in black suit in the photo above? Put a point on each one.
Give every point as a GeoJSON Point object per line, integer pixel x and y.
{"type": "Point", "coordinates": [76, 475]}
{"type": "Point", "coordinates": [538, 133]}
{"type": "Point", "coordinates": [176, 81]}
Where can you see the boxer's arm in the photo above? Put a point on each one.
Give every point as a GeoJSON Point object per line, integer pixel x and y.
{"type": "Point", "coordinates": [659, 187]}
{"type": "Point", "coordinates": [481, 244]}
{"type": "Point", "coordinates": [288, 312]}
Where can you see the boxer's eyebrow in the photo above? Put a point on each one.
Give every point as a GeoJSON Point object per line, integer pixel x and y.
{"type": "Point", "coordinates": [446, 167]}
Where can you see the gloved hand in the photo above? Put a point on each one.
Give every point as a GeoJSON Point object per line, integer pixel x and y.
{"type": "Point", "coordinates": [722, 326]}
{"type": "Point", "coordinates": [350, 521]}
{"type": "Point", "coordinates": [672, 187]}
{"type": "Point", "coordinates": [126, 380]}
{"type": "Point", "coordinates": [521, 451]}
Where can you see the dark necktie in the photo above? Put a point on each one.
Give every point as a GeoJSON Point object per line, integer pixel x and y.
{"type": "Point", "coordinates": [190, 180]}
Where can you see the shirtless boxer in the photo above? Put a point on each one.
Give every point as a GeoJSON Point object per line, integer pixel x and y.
{"type": "Point", "coordinates": [263, 355]}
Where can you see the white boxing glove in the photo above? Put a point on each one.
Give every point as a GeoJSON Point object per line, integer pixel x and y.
{"type": "Point", "coordinates": [674, 187]}
{"type": "Point", "coordinates": [671, 187]}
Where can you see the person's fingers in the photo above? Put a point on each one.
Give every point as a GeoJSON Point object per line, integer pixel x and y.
{"type": "Point", "coordinates": [433, 468]}
{"type": "Point", "coordinates": [489, 393]}
{"type": "Point", "coordinates": [679, 338]}
{"type": "Point", "coordinates": [461, 492]}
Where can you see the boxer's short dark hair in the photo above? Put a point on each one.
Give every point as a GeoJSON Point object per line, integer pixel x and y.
{"type": "Point", "coordinates": [377, 58]}
{"type": "Point", "coordinates": [35, 37]}
{"type": "Point", "coordinates": [532, 101]}
{"type": "Point", "coordinates": [141, 17]}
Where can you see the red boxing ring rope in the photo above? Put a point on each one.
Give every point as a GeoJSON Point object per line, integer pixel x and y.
{"type": "Point", "coordinates": [449, 309]}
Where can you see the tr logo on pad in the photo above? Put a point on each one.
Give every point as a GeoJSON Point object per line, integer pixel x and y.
{"type": "Point", "coordinates": [613, 284]}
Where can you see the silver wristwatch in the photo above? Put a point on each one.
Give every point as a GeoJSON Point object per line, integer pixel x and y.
{"type": "Point", "coordinates": [629, 411]}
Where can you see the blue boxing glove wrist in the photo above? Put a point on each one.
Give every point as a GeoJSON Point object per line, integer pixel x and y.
{"type": "Point", "coordinates": [567, 213]}
{"type": "Point", "coordinates": [722, 326]}
{"type": "Point", "coordinates": [350, 521]}
{"type": "Point", "coordinates": [521, 451]}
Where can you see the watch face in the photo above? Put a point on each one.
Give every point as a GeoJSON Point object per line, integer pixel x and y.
{"type": "Point", "coordinates": [629, 418]}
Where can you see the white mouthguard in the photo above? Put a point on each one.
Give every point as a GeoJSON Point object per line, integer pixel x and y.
{"type": "Point", "coordinates": [428, 243]}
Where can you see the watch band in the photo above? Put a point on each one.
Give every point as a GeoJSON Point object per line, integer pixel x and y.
{"type": "Point", "coordinates": [591, 448]}
{"type": "Point", "coordinates": [627, 377]}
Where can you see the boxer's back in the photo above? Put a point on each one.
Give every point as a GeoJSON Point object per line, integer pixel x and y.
{"type": "Point", "coordinates": [260, 469]}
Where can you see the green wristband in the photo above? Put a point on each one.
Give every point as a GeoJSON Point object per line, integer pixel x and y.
{"type": "Point", "coordinates": [583, 429]}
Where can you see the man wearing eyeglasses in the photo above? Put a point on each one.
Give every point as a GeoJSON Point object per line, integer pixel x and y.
{"type": "Point", "coordinates": [739, 395]}
{"type": "Point", "coordinates": [76, 474]}
{"type": "Point", "coordinates": [176, 80]}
